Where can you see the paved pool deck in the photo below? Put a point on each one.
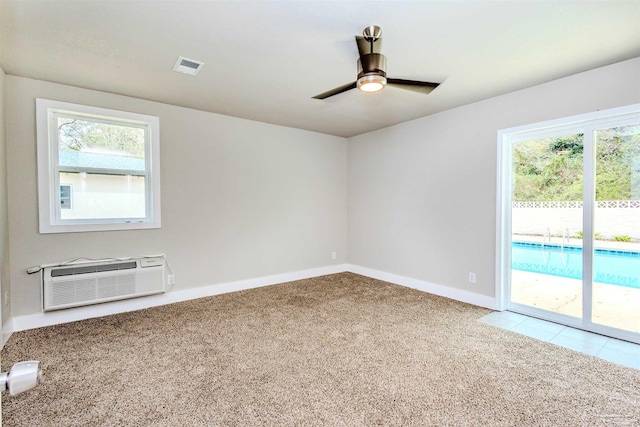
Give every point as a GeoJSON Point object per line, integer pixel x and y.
{"type": "Point", "coordinates": [613, 305]}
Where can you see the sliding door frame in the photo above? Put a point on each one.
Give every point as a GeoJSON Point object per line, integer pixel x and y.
{"type": "Point", "coordinates": [587, 124]}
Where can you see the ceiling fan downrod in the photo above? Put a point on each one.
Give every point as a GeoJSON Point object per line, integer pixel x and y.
{"type": "Point", "coordinates": [371, 34]}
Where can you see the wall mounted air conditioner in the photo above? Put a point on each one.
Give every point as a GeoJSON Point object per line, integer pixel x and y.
{"type": "Point", "coordinates": [86, 283]}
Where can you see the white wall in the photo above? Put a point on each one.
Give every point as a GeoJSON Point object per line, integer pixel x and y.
{"type": "Point", "coordinates": [422, 194]}
{"type": "Point", "coordinates": [4, 223]}
{"type": "Point", "coordinates": [240, 199]}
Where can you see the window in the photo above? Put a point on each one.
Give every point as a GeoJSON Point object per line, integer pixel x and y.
{"type": "Point", "coordinates": [65, 197]}
{"type": "Point", "coordinates": [98, 169]}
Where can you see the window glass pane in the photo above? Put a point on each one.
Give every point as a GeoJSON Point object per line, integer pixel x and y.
{"type": "Point", "coordinates": [546, 225]}
{"type": "Point", "coordinates": [92, 144]}
{"type": "Point", "coordinates": [104, 196]}
{"type": "Point", "coordinates": [616, 266]}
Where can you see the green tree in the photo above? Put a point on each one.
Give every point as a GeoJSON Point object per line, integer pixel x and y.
{"type": "Point", "coordinates": [84, 135]}
{"type": "Point", "coordinates": [551, 169]}
{"type": "Point", "coordinates": [548, 169]}
{"type": "Point", "coordinates": [618, 163]}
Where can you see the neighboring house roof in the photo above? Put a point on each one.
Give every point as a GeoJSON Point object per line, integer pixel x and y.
{"type": "Point", "coordinates": [100, 161]}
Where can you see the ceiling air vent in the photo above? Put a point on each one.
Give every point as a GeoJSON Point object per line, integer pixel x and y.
{"type": "Point", "coordinates": [187, 66]}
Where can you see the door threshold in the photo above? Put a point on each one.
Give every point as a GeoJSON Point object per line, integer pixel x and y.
{"type": "Point", "coordinates": [612, 349]}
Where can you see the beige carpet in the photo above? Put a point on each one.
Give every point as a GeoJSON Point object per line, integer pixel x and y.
{"type": "Point", "coordinates": [335, 350]}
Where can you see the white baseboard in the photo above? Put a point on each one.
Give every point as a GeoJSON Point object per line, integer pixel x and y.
{"type": "Point", "coordinates": [7, 330]}
{"type": "Point", "coordinates": [38, 320]}
{"type": "Point", "coordinates": [421, 285]}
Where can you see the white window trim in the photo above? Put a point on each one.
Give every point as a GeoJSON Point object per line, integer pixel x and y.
{"type": "Point", "coordinates": [48, 177]}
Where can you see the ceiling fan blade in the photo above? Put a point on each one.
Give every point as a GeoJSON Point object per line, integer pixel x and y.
{"type": "Point", "coordinates": [364, 46]}
{"type": "Point", "coordinates": [336, 91]}
{"type": "Point", "coordinates": [413, 85]}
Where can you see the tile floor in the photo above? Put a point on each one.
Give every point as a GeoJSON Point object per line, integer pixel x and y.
{"type": "Point", "coordinates": [611, 349]}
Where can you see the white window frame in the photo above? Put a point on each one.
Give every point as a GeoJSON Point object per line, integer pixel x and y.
{"type": "Point", "coordinates": [50, 220]}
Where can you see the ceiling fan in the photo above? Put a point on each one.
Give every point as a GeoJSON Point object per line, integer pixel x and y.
{"type": "Point", "coordinates": [372, 69]}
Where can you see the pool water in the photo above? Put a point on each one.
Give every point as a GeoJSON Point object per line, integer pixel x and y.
{"type": "Point", "coordinates": [613, 267]}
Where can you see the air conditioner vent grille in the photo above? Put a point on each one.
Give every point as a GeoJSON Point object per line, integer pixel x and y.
{"type": "Point", "coordinates": [72, 271]}
{"type": "Point", "coordinates": [80, 290]}
{"type": "Point", "coordinates": [190, 64]}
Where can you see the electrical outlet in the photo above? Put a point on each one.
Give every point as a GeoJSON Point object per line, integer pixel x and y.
{"type": "Point", "coordinates": [334, 255]}
{"type": "Point", "coordinates": [171, 279]}
{"type": "Point", "coordinates": [472, 277]}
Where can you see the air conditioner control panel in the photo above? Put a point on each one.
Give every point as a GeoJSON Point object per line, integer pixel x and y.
{"type": "Point", "coordinates": [152, 262]}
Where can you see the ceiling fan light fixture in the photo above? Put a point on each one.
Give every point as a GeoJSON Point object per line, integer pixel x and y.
{"type": "Point", "coordinates": [372, 83]}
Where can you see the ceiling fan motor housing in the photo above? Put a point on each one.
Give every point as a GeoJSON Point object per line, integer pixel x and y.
{"type": "Point", "coordinates": [372, 64]}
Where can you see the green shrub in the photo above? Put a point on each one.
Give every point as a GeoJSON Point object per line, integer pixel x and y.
{"type": "Point", "coordinates": [622, 238]}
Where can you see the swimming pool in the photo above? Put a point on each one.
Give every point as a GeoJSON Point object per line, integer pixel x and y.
{"type": "Point", "coordinates": [613, 267]}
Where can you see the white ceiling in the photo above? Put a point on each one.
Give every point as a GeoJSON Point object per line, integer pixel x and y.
{"type": "Point", "coordinates": [264, 60]}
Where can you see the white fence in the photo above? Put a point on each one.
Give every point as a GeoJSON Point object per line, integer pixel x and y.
{"type": "Point", "coordinates": [578, 204]}
{"type": "Point", "coordinates": [611, 218]}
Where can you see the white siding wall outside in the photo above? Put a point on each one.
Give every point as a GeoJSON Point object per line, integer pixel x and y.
{"type": "Point", "coordinates": [104, 196]}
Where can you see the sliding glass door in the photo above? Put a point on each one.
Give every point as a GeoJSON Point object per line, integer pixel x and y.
{"type": "Point", "coordinates": [615, 300]}
{"type": "Point", "coordinates": [569, 234]}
